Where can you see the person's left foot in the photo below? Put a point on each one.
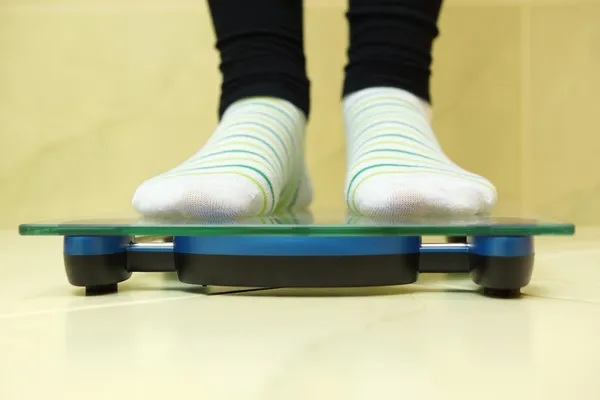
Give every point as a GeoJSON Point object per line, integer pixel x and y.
{"type": "Point", "coordinates": [396, 166]}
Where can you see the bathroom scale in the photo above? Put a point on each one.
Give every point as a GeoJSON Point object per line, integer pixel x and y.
{"type": "Point", "coordinates": [301, 250]}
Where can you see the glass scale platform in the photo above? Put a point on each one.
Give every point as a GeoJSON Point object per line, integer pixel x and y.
{"type": "Point", "coordinates": [301, 250]}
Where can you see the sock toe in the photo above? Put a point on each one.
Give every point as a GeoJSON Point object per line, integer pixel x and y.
{"type": "Point", "coordinates": [199, 198]}
{"type": "Point", "coordinates": [420, 196]}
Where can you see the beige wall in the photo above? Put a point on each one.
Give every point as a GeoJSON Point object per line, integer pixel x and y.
{"type": "Point", "coordinates": [96, 95]}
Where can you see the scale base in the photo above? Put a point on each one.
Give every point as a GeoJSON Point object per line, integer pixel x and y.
{"type": "Point", "coordinates": [500, 265]}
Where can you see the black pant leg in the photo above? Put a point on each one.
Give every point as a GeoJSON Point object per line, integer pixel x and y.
{"type": "Point", "coordinates": [390, 44]}
{"type": "Point", "coordinates": [262, 50]}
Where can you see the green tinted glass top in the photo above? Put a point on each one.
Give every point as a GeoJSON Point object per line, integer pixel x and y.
{"type": "Point", "coordinates": [305, 223]}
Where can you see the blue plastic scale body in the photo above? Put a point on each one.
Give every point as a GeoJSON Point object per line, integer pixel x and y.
{"type": "Point", "coordinates": [301, 246]}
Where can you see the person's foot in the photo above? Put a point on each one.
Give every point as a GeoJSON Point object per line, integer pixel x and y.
{"type": "Point", "coordinates": [253, 164]}
{"type": "Point", "coordinates": [396, 166]}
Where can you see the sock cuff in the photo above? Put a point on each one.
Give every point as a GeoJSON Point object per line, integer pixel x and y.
{"type": "Point", "coordinates": [423, 105]}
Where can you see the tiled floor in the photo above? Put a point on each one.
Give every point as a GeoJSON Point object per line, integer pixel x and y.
{"type": "Point", "coordinates": [437, 339]}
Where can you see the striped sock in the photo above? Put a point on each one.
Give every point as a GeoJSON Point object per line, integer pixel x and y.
{"type": "Point", "coordinates": [252, 165]}
{"type": "Point", "coordinates": [396, 166]}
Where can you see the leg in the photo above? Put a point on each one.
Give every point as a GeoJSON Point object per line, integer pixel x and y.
{"type": "Point", "coordinates": [395, 164]}
{"type": "Point", "coordinates": [253, 163]}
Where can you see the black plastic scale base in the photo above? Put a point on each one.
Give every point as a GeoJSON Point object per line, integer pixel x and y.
{"type": "Point", "coordinates": [294, 252]}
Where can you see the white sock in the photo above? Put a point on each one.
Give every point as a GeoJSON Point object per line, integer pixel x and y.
{"type": "Point", "coordinates": [396, 166]}
{"type": "Point", "coordinates": [252, 165]}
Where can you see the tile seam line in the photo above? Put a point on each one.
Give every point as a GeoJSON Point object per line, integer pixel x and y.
{"type": "Point", "coordinates": [94, 307]}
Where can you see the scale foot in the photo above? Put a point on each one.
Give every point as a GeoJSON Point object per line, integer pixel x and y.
{"type": "Point", "coordinates": [97, 290]}
{"type": "Point", "coordinates": [502, 293]}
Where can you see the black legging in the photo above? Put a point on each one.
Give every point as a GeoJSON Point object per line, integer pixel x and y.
{"type": "Point", "coordinates": [262, 47]}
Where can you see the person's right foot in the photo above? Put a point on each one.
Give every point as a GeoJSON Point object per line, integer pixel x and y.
{"type": "Point", "coordinates": [252, 165]}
